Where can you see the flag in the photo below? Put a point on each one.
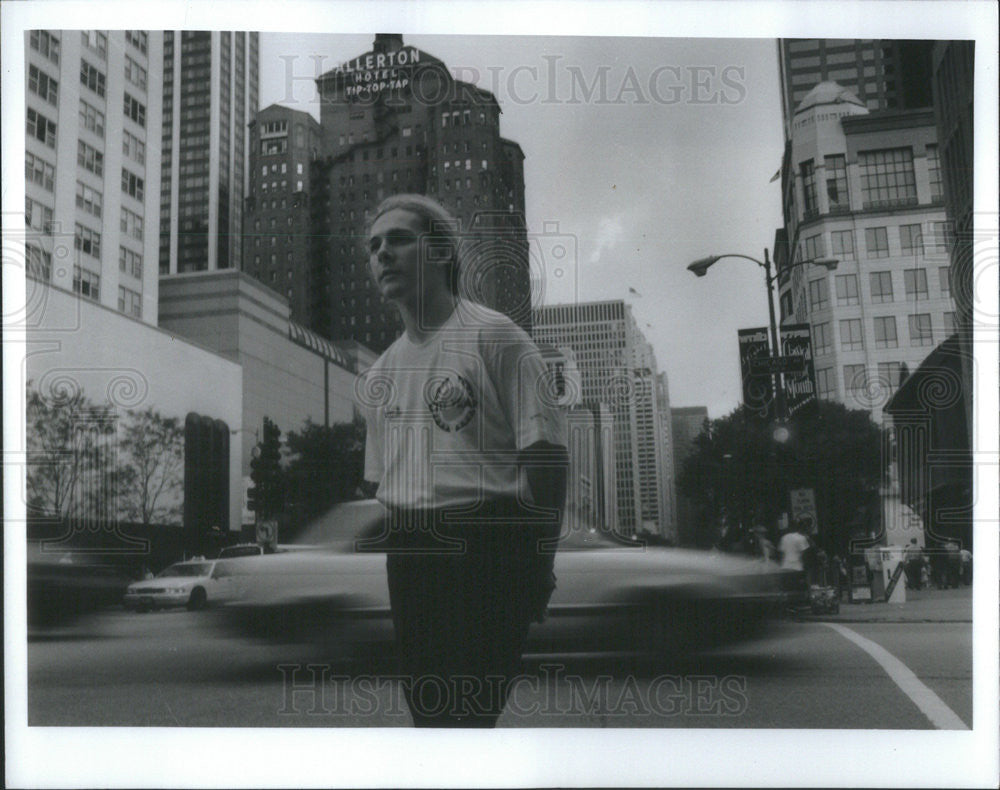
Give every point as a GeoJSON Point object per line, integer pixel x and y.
{"type": "Point", "coordinates": [776, 176]}
{"type": "Point", "coordinates": [633, 291]}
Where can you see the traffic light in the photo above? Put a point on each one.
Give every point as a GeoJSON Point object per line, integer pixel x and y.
{"type": "Point", "coordinates": [266, 496]}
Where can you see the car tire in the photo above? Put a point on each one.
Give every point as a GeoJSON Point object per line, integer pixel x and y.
{"type": "Point", "coordinates": [143, 608]}
{"type": "Point", "coordinates": [198, 599]}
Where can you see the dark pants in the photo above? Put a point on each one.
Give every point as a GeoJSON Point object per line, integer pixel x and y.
{"type": "Point", "coordinates": [462, 599]}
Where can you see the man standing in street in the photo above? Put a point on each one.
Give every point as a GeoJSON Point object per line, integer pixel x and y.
{"type": "Point", "coordinates": [468, 448]}
{"type": "Point", "coordinates": [793, 547]}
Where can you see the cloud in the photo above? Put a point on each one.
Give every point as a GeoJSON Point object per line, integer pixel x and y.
{"type": "Point", "coordinates": [609, 233]}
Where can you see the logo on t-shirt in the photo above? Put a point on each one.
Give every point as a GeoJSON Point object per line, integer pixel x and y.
{"type": "Point", "coordinates": [451, 401]}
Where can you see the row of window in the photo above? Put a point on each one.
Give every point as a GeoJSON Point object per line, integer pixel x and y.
{"type": "Point", "coordinates": [852, 335]}
{"type": "Point", "coordinates": [284, 168]}
{"type": "Point", "coordinates": [856, 381]}
{"type": "Point", "coordinates": [887, 179]}
{"type": "Point", "coordinates": [846, 285]}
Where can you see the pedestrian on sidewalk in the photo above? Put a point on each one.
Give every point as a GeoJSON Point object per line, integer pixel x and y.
{"type": "Point", "coordinates": [913, 558]}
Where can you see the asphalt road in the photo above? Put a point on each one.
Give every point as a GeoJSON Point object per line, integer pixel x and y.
{"type": "Point", "coordinates": [173, 669]}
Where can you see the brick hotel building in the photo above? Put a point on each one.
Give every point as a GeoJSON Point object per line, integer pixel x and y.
{"type": "Point", "coordinates": [394, 120]}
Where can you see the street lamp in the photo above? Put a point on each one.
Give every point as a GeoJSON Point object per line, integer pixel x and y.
{"type": "Point", "coordinates": [700, 269]}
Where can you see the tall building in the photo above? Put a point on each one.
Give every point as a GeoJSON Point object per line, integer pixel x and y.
{"type": "Point", "coordinates": [283, 143]}
{"type": "Point", "coordinates": [866, 189]}
{"type": "Point", "coordinates": [92, 167]}
{"type": "Point", "coordinates": [885, 74]}
{"type": "Point", "coordinates": [686, 424]}
{"type": "Point", "coordinates": [210, 94]}
{"type": "Point", "coordinates": [618, 372]}
{"type": "Point", "coordinates": [394, 120]}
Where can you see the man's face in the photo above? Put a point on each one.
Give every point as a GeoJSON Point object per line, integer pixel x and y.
{"type": "Point", "coordinates": [395, 259]}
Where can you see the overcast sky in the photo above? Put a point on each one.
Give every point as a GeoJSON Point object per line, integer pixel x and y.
{"type": "Point", "coordinates": [667, 160]}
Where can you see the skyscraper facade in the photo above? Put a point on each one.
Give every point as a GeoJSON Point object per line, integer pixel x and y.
{"type": "Point", "coordinates": [210, 94]}
{"type": "Point", "coordinates": [92, 171]}
{"type": "Point", "coordinates": [866, 189]}
{"type": "Point", "coordinates": [885, 74]}
{"type": "Point", "coordinates": [618, 371]}
{"type": "Point", "coordinates": [394, 120]}
{"type": "Point", "coordinates": [283, 143]}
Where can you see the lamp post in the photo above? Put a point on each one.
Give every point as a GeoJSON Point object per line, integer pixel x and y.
{"type": "Point", "coordinates": [700, 269]}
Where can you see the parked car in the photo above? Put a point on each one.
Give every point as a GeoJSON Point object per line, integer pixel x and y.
{"type": "Point", "coordinates": [194, 584]}
{"type": "Point", "coordinates": [612, 594]}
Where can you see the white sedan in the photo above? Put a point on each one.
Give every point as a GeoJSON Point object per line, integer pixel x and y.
{"type": "Point", "coordinates": [192, 584]}
{"type": "Point", "coordinates": [612, 594]}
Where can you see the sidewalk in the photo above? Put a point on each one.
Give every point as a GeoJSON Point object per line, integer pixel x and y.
{"type": "Point", "coordinates": [922, 606]}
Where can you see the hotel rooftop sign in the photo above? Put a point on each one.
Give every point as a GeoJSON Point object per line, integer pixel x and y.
{"type": "Point", "coordinates": [366, 76]}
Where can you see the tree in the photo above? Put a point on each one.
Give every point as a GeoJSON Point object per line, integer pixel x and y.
{"type": "Point", "coordinates": [326, 467]}
{"type": "Point", "coordinates": [70, 441]}
{"type": "Point", "coordinates": [738, 468]}
{"type": "Point", "coordinates": [267, 496]}
{"type": "Point", "coordinates": [151, 453]}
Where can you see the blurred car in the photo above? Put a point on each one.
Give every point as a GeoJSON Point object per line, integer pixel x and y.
{"type": "Point", "coordinates": [193, 584]}
{"type": "Point", "coordinates": [612, 595]}
{"type": "Point", "coordinates": [64, 583]}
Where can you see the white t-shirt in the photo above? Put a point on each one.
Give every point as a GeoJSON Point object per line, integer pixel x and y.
{"type": "Point", "coordinates": [792, 546]}
{"type": "Point", "coordinates": [447, 417]}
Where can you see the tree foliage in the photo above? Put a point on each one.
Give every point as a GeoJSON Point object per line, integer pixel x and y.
{"type": "Point", "coordinates": [151, 449]}
{"type": "Point", "coordinates": [738, 468]}
{"type": "Point", "coordinates": [326, 466]}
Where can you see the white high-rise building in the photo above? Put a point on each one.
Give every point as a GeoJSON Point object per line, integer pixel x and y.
{"type": "Point", "coordinates": [92, 165]}
{"type": "Point", "coordinates": [618, 370]}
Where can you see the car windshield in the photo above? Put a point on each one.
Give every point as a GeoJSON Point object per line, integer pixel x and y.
{"type": "Point", "coordinates": [188, 569]}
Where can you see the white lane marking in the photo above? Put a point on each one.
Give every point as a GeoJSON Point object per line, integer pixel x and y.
{"type": "Point", "coordinates": [930, 704]}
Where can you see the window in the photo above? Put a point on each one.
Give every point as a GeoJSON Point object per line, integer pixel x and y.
{"type": "Point", "coordinates": [911, 239]}
{"type": "Point", "coordinates": [87, 241]}
{"type": "Point", "coordinates": [41, 128]}
{"type": "Point", "coordinates": [826, 386]}
{"type": "Point", "coordinates": [43, 85]}
{"type": "Point", "coordinates": [944, 278]}
{"type": "Point", "coordinates": [836, 183]}
{"type": "Point", "coordinates": [36, 216]}
{"type": "Point", "coordinates": [855, 379]}
{"type": "Point", "coordinates": [881, 283]}
{"type": "Point", "coordinates": [934, 173]}
{"type": "Point", "coordinates": [888, 375]}
{"type": "Point", "coordinates": [129, 302]}
{"type": "Point", "coordinates": [38, 262]}
{"type": "Point", "coordinates": [86, 283]}
{"type": "Point", "coordinates": [920, 330]}
{"type": "Point", "coordinates": [822, 341]}
{"type": "Point", "coordinates": [812, 248]}
{"type": "Point", "coordinates": [89, 158]}
{"type": "Point", "coordinates": [877, 242]}
{"type": "Point", "coordinates": [887, 178]}
{"type": "Point", "coordinates": [950, 325]}
{"type": "Point", "coordinates": [851, 337]}
{"type": "Point", "coordinates": [819, 294]}
{"type": "Point", "coordinates": [45, 43]}
{"type": "Point", "coordinates": [842, 244]}
{"type": "Point", "coordinates": [38, 171]}
{"type": "Point", "coordinates": [135, 73]}
{"type": "Point", "coordinates": [885, 332]}
{"type": "Point", "coordinates": [942, 236]}
{"type": "Point", "coordinates": [130, 262]}
{"type": "Point", "coordinates": [95, 40]}
{"type": "Point", "coordinates": [847, 289]}
{"type": "Point", "coordinates": [786, 304]}
{"type": "Point", "coordinates": [809, 187]}
{"type": "Point", "coordinates": [915, 283]}
{"type": "Point", "coordinates": [132, 184]}
{"type": "Point", "coordinates": [138, 39]}
{"type": "Point", "coordinates": [92, 77]}
{"type": "Point", "coordinates": [131, 224]}
{"type": "Point", "coordinates": [133, 148]}
{"type": "Point", "coordinates": [91, 118]}
{"type": "Point", "coordinates": [88, 199]}
{"type": "Point", "coordinates": [135, 110]}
